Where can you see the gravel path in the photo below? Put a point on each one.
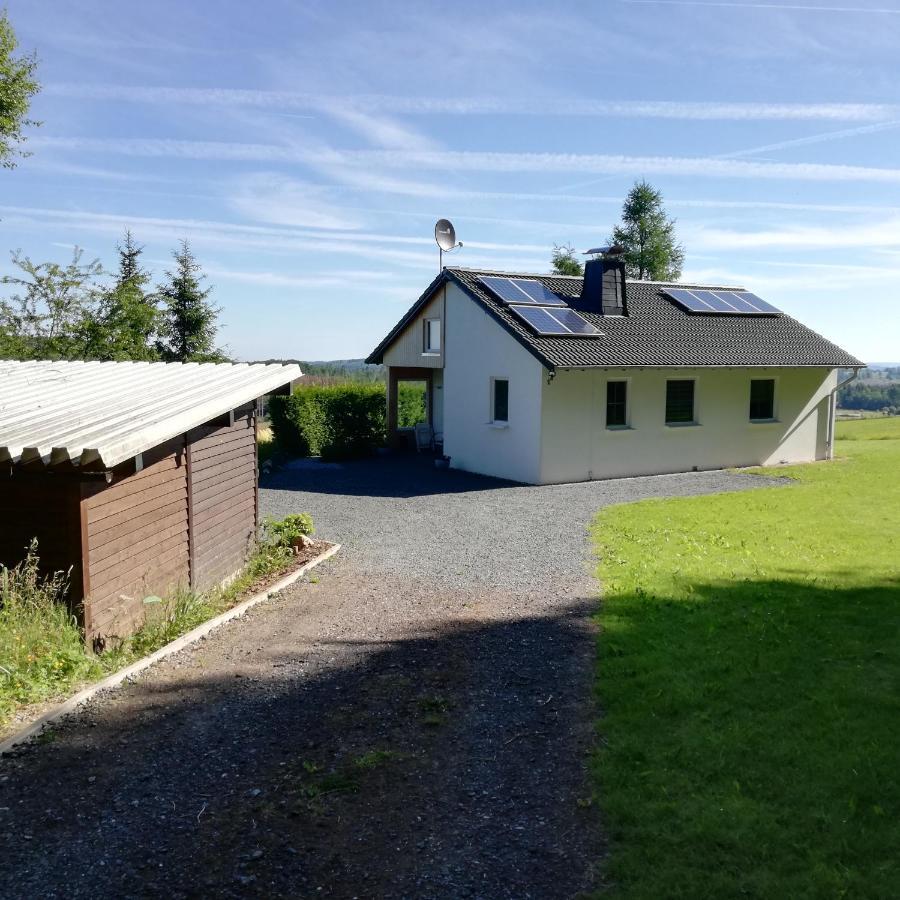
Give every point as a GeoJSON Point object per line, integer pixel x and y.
{"type": "Point", "coordinates": [413, 721]}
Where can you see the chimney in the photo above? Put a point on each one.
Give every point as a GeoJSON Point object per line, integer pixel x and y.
{"type": "Point", "coordinates": [603, 290]}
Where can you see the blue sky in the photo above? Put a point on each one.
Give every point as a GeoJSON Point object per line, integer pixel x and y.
{"type": "Point", "coordinates": [306, 149]}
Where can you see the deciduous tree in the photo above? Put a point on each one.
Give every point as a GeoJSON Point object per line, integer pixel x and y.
{"type": "Point", "coordinates": [564, 260]}
{"type": "Point", "coordinates": [17, 86]}
{"type": "Point", "coordinates": [45, 317]}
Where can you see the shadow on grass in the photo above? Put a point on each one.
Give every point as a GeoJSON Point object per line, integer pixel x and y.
{"type": "Point", "coordinates": [751, 740]}
{"type": "Point", "coordinates": [438, 766]}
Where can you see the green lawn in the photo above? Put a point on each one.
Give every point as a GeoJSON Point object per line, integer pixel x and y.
{"type": "Point", "coordinates": [749, 677]}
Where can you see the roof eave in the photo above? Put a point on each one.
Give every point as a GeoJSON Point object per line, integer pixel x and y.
{"type": "Point", "coordinates": [376, 357]}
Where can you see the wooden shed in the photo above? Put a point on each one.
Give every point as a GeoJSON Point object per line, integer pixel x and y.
{"type": "Point", "coordinates": [140, 477]}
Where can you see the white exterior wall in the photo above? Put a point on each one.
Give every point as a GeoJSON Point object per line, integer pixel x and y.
{"type": "Point", "coordinates": [576, 445]}
{"type": "Point", "coordinates": [476, 350]}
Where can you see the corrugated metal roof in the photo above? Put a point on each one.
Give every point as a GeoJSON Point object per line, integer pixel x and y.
{"type": "Point", "coordinates": [107, 412]}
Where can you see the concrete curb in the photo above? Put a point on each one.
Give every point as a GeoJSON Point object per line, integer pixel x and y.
{"type": "Point", "coordinates": [116, 679]}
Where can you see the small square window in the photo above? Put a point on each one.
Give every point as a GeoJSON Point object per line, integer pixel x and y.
{"type": "Point", "coordinates": [616, 404]}
{"type": "Point", "coordinates": [680, 402]}
{"type": "Point", "coordinates": [432, 335]}
{"type": "Point", "coordinates": [500, 400]}
{"type": "Point", "coordinates": [762, 399]}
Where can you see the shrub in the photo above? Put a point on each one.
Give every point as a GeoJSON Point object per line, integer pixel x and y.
{"type": "Point", "coordinates": [287, 530]}
{"type": "Point", "coordinates": [335, 422]}
{"type": "Point", "coordinates": [411, 403]}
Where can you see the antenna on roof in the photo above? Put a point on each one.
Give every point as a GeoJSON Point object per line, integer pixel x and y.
{"type": "Point", "coordinates": [445, 235]}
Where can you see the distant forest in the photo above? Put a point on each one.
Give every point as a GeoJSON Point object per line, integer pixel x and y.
{"type": "Point", "coordinates": [336, 371]}
{"type": "Point", "coordinates": [876, 389]}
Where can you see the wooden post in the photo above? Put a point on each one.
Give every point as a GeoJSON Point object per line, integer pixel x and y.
{"type": "Point", "coordinates": [189, 469]}
{"type": "Point", "coordinates": [392, 406]}
{"type": "Point", "coordinates": [81, 495]}
{"type": "Point", "coordinates": [253, 425]}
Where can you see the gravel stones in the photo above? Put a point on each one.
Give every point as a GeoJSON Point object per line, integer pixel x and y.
{"type": "Point", "coordinates": [413, 720]}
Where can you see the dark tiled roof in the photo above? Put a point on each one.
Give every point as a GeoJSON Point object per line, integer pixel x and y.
{"type": "Point", "coordinates": [656, 331]}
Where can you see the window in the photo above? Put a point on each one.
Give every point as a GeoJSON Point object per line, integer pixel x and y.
{"type": "Point", "coordinates": [616, 404]}
{"type": "Point", "coordinates": [762, 399]}
{"type": "Point", "coordinates": [680, 402]}
{"type": "Point", "coordinates": [432, 335]}
{"type": "Point", "coordinates": [500, 400]}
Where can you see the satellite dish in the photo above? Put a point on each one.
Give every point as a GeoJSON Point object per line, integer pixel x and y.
{"type": "Point", "coordinates": [445, 235]}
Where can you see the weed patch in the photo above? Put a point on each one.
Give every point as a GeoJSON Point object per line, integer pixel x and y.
{"type": "Point", "coordinates": [42, 653]}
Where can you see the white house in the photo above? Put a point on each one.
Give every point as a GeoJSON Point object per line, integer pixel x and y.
{"type": "Point", "coordinates": [545, 378]}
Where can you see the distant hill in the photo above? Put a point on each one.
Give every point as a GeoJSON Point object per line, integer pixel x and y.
{"type": "Point", "coordinates": [334, 371]}
{"type": "Point", "coordinates": [876, 389]}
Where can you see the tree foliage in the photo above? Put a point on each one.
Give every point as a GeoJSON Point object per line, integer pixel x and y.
{"type": "Point", "coordinates": [17, 86]}
{"type": "Point", "coordinates": [125, 322]}
{"type": "Point", "coordinates": [45, 316]}
{"type": "Point", "coordinates": [564, 261]}
{"type": "Point", "coordinates": [79, 311]}
{"type": "Point", "coordinates": [879, 396]}
{"type": "Point", "coordinates": [188, 328]}
{"type": "Point", "coordinates": [648, 236]}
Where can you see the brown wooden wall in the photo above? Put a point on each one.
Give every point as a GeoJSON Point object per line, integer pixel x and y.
{"type": "Point", "coordinates": [38, 505]}
{"type": "Point", "coordinates": [135, 533]}
{"type": "Point", "coordinates": [187, 517]}
{"type": "Point", "coordinates": [223, 485]}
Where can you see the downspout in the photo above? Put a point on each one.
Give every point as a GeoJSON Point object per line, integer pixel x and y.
{"type": "Point", "coordinates": [832, 411]}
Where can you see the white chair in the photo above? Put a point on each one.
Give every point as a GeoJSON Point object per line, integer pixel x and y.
{"type": "Point", "coordinates": [424, 436]}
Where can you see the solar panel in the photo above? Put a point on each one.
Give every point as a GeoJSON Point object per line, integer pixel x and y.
{"type": "Point", "coordinates": [521, 290]}
{"type": "Point", "coordinates": [540, 319]}
{"type": "Point", "coordinates": [539, 292]}
{"type": "Point", "coordinates": [739, 303]}
{"type": "Point", "coordinates": [554, 321]}
{"type": "Point", "coordinates": [760, 304]}
{"type": "Point", "coordinates": [573, 321]}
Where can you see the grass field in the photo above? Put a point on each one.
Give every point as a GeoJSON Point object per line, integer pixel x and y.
{"type": "Point", "coordinates": [749, 677]}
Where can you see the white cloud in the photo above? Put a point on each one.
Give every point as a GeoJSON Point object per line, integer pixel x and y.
{"type": "Point", "coordinates": [477, 161]}
{"type": "Point", "coordinates": [270, 197]}
{"type": "Point", "coordinates": [871, 235]}
{"type": "Point", "coordinates": [814, 139]}
{"type": "Point", "coordinates": [415, 252]}
{"type": "Point", "coordinates": [804, 7]}
{"type": "Point", "coordinates": [369, 104]}
{"type": "Point", "coordinates": [379, 130]}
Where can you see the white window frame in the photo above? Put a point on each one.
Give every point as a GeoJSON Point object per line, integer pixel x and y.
{"type": "Point", "coordinates": [627, 382]}
{"type": "Point", "coordinates": [775, 394]}
{"type": "Point", "coordinates": [696, 420]}
{"type": "Point", "coordinates": [499, 423]}
{"type": "Point", "coordinates": [426, 338]}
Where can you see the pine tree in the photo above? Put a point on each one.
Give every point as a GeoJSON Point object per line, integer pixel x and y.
{"type": "Point", "coordinates": [188, 329]}
{"type": "Point", "coordinates": [127, 318]}
{"type": "Point", "coordinates": [648, 236]}
{"type": "Point", "coordinates": [564, 260]}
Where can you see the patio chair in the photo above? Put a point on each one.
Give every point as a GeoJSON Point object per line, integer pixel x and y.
{"type": "Point", "coordinates": [424, 436]}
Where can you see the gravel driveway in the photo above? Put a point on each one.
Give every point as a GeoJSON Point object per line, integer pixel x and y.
{"type": "Point", "coordinates": [413, 721]}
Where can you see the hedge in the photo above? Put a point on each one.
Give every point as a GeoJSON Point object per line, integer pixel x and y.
{"type": "Point", "coordinates": [335, 422]}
